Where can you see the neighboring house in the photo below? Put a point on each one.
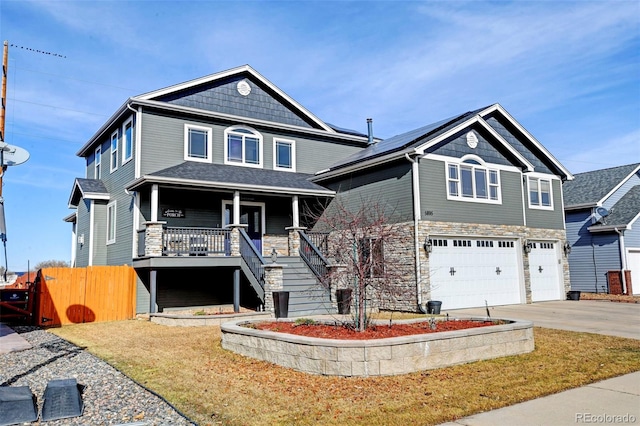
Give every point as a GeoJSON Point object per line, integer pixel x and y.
{"type": "Point", "coordinates": [193, 185]}
{"type": "Point", "coordinates": [480, 200]}
{"type": "Point", "coordinates": [602, 210]}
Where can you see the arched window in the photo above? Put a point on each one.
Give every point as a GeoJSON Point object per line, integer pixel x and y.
{"type": "Point", "coordinates": [243, 146]}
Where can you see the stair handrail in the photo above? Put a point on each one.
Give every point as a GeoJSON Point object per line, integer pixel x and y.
{"type": "Point", "coordinates": [252, 257]}
{"type": "Point", "coordinates": [313, 257]}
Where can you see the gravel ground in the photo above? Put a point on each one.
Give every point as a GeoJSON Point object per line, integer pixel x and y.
{"type": "Point", "coordinates": [110, 398]}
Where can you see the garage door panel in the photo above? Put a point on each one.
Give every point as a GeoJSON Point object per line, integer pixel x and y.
{"type": "Point", "coordinates": [544, 272]}
{"type": "Point", "coordinates": [468, 272]}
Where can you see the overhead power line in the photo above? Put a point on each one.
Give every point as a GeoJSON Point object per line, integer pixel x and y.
{"type": "Point", "coordinates": [43, 52]}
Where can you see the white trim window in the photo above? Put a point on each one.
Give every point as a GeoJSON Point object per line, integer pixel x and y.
{"type": "Point", "coordinates": [114, 151]}
{"type": "Point", "coordinates": [98, 162]}
{"type": "Point", "coordinates": [197, 143]}
{"type": "Point", "coordinates": [540, 193]}
{"type": "Point", "coordinates": [243, 146]}
{"type": "Point", "coordinates": [127, 140]}
{"type": "Point", "coordinates": [284, 155]}
{"type": "Point", "coordinates": [111, 222]}
{"type": "Point", "coordinates": [472, 181]}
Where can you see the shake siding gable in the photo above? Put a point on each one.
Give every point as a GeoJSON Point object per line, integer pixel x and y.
{"type": "Point", "coordinates": [457, 147]}
{"type": "Point", "coordinates": [435, 206]}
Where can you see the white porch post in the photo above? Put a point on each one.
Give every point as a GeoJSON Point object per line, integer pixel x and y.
{"type": "Point", "coordinates": [295, 211]}
{"type": "Point", "coordinates": [154, 203]}
{"type": "Point", "coordinates": [236, 207]}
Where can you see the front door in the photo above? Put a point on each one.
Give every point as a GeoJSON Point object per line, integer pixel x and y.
{"type": "Point", "coordinates": [250, 215]}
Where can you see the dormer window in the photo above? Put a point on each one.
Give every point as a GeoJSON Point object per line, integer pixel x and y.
{"type": "Point", "coordinates": [243, 146]}
{"type": "Point", "coordinates": [471, 180]}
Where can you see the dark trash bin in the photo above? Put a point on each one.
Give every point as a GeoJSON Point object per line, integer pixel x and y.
{"type": "Point", "coordinates": [343, 297]}
{"type": "Point", "coordinates": [281, 303]}
{"type": "Point", "coordinates": [573, 295]}
{"type": "Point", "coordinates": [433, 307]}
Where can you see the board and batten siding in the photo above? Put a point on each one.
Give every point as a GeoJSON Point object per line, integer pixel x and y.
{"type": "Point", "coordinates": [435, 206]}
{"type": "Point", "coordinates": [163, 145]}
{"type": "Point", "coordinates": [549, 219]}
{"type": "Point", "coordinates": [390, 186]}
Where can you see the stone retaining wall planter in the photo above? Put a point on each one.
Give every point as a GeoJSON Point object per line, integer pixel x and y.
{"type": "Point", "coordinates": [380, 357]}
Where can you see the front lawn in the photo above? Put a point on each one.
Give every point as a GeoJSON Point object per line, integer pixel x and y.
{"type": "Point", "coordinates": [190, 369]}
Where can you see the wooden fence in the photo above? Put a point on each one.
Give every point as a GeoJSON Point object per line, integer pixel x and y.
{"type": "Point", "coordinates": [78, 295]}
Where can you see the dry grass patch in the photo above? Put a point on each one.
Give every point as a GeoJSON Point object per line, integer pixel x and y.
{"type": "Point", "coordinates": [212, 386]}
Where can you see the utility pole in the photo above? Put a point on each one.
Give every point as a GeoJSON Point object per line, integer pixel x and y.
{"type": "Point", "coordinates": [3, 110]}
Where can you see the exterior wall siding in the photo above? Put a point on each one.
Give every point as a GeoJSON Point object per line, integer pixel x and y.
{"type": "Point", "coordinates": [435, 206]}
{"type": "Point", "coordinates": [538, 218]}
{"type": "Point", "coordinates": [82, 250]}
{"type": "Point", "coordinates": [100, 233]}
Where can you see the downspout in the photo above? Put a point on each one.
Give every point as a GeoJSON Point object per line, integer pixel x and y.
{"type": "Point", "coordinates": [416, 219]}
{"type": "Point", "coordinates": [623, 258]}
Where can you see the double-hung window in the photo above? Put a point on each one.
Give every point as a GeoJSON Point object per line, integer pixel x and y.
{"type": "Point", "coordinates": [540, 193]}
{"type": "Point", "coordinates": [98, 162]}
{"type": "Point", "coordinates": [243, 146]}
{"type": "Point", "coordinates": [284, 155]}
{"type": "Point", "coordinates": [197, 143]}
{"type": "Point", "coordinates": [114, 151]}
{"type": "Point", "coordinates": [472, 181]}
{"type": "Point", "coordinates": [127, 140]}
{"type": "Point", "coordinates": [111, 222]}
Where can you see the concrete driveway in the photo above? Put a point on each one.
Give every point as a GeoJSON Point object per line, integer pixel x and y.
{"type": "Point", "coordinates": [591, 316]}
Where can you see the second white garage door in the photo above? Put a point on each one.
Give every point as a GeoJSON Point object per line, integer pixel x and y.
{"type": "Point", "coordinates": [466, 272]}
{"type": "Point", "coordinates": [544, 272]}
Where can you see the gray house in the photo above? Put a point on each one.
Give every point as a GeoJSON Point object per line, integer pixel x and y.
{"type": "Point", "coordinates": [602, 210]}
{"type": "Point", "coordinates": [481, 202]}
{"type": "Point", "coordinates": [197, 185]}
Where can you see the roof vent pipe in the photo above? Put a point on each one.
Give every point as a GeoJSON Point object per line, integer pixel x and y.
{"type": "Point", "coordinates": [370, 130]}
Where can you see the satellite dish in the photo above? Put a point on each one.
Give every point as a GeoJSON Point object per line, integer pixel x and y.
{"type": "Point", "coordinates": [602, 212]}
{"type": "Point", "coordinates": [14, 155]}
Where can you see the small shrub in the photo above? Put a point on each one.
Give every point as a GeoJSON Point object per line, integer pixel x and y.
{"type": "Point", "coordinates": [305, 321]}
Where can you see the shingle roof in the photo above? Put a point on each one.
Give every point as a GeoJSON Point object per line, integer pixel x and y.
{"type": "Point", "coordinates": [625, 210]}
{"type": "Point", "coordinates": [94, 186]}
{"type": "Point", "coordinates": [592, 187]}
{"type": "Point", "coordinates": [89, 189]}
{"type": "Point", "coordinates": [229, 176]}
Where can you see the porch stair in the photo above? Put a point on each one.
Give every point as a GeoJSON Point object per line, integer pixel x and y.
{"type": "Point", "coordinates": [306, 296]}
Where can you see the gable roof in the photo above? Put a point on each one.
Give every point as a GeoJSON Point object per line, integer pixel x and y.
{"type": "Point", "coordinates": [590, 189]}
{"type": "Point", "coordinates": [417, 141]}
{"type": "Point", "coordinates": [623, 214]}
{"type": "Point", "coordinates": [89, 189]}
{"type": "Point", "coordinates": [231, 177]}
{"type": "Point", "coordinates": [284, 111]}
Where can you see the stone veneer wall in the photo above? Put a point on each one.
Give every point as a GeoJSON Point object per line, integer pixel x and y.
{"type": "Point", "coordinates": [379, 357]}
{"type": "Point", "coordinates": [400, 253]}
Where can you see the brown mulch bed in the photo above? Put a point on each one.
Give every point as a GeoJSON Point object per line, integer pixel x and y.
{"type": "Point", "coordinates": [622, 298]}
{"type": "Point", "coordinates": [347, 332]}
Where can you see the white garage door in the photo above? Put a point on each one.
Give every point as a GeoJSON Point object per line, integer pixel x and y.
{"type": "Point", "coordinates": [465, 272]}
{"type": "Point", "coordinates": [633, 264]}
{"type": "Point", "coordinates": [544, 272]}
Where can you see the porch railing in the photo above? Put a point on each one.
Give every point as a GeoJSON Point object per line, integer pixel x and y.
{"type": "Point", "coordinates": [252, 257]}
{"type": "Point", "coordinates": [312, 256]}
{"type": "Point", "coordinates": [320, 240]}
{"type": "Point", "coordinates": [196, 241]}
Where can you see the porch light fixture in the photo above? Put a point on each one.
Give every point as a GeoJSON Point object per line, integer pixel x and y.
{"type": "Point", "coordinates": [567, 248]}
{"type": "Point", "coordinates": [274, 255]}
{"type": "Point", "coordinates": [527, 246]}
{"type": "Point", "coordinates": [428, 245]}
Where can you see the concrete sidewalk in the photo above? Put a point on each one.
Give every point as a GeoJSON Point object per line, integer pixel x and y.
{"type": "Point", "coordinates": [612, 401]}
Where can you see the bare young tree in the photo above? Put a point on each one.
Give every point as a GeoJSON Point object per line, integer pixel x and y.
{"type": "Point", "coordinates": [370, 251]}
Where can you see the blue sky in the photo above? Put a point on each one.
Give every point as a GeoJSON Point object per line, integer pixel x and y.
{"type": "Point", "coordinates": [569, 72]}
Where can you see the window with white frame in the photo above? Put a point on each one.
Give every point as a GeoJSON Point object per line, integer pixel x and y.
{"type": "Point", "coordinates": [243, 146]}
{"type": "Point", "coordinates": [98, 162]}
{"type": "Point", "coordinates": [284, 155]}
{"type": "Point", "coordinates": [540, 193]}
{"type": "Point", "coordinates": [472, 181]}
{"type": "Point", "coordinates": [114, 151]}
{"type": "Point", "coordinates": [197, 143]}
{"type": "Point", "coordinates": [127, 140]}
{"type": "Point", "coordinates": [111, 222]}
